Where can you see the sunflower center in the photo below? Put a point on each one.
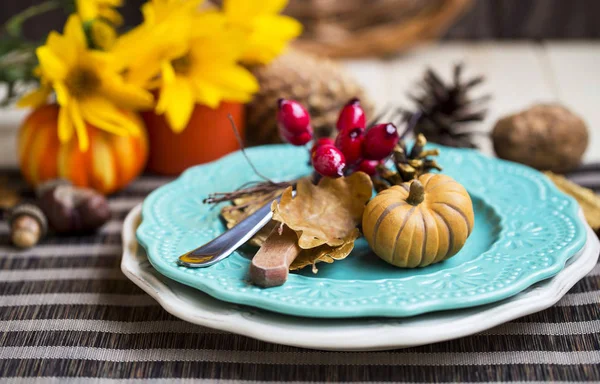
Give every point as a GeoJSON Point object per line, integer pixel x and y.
{"type": "Point", "coordinates": [82, 82]}
{"type": "Point", "coordinates": [182, 65]}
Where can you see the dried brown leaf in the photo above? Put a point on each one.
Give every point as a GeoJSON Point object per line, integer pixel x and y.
{"type": "Point", "coordinates": [587, 199]}
{"type": "Point", "coordinates": [323, 253]}
{"type": "Point", "coordinates": [327, 213]}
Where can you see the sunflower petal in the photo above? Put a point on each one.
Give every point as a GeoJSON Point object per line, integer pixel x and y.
{"type": "Point", "coordinates": [143, 75]}
{"type": "Point", "coordinates": [246, 10]}
{"type": "Point", "coordinates": [65, 125]}
{"type": "Point", "coordinates": [74, 31]}
{"type": "Point", "coordinates": [234, 77]}
{"type": "Point", "coordinates": [270, 37]}
{"type": "Point", "coordinates": [96, 119]}
{"type": "Point", "coordinates": [82, 134]}
{"type": "Point", "coordinates": [35, 98]}
{"type": "Point", "coordinates": [52, 67]}
{"type": "Point", "coordinates": [167, 72]}
{"type": "Point", "coordinates": [125, 95]}
{"type": "Point", "coordinates": [106, 116]}
{"type": "Point", "coordinates": [148, 12]}
{"type": "Point", "coordinates": [103, 34]}
{"type": "Point", "coordinates": [111, 3]}
{"type": "Point", "coordinates": [235, 95]}
{"type": "Point", "coordinates": [62, 94]}
{"type": "Point", "coordinates": [206, 93]}
{"type": "Point", "coordinates": [281, 28]}
{"type": "Point", "coordinates": [111, 15]}
{"type": "Point", "coordinates": [61, 48]}
{"type": "Point", "coordinates": [179, 105]}
{"type": "Point", "coordinates": [210, 21]}
{"type": "Point", "coordinates": [86, 9]}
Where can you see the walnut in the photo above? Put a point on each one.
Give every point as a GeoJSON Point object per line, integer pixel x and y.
{"type": "Point", "coordinates": [545, 136]}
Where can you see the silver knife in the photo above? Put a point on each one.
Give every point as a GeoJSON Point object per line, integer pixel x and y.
{"type": "Point", "coordinates": [225, 244]}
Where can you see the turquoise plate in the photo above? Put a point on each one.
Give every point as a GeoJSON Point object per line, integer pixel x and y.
{"type": "Point", "coordinates": [525, 230]}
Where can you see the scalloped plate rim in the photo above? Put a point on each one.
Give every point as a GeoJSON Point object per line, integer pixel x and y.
{"type": "Point", "coordinates": [358, 334]}
{"type": "Point", "coordinates": [370, 309]}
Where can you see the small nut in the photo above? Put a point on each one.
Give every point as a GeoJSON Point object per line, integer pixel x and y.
{"type": "Point", "coordinates": [545, 136]}
{"type": "Point", "coordinates": [50, 184]}
{"type": "Point", "coordinates": [72, 209]}
{"type": "Point", "coordinates": [28, 225]}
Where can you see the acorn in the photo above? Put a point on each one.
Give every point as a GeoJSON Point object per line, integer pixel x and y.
{"type": "Point", "coordinates": [72, 209]}
{"type": "Point", "coordinates": [28, 225]}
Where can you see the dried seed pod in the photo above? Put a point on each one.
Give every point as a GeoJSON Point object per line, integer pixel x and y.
{"type": "Point", "coordinates": [72, 209]}
{"type": "Point", "coordinates": [28, 225]}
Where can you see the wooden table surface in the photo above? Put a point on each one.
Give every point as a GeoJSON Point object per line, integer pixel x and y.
{"type": "Point", "coordinates": [518, 74]}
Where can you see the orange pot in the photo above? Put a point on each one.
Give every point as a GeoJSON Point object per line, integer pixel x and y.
{"type": "Point", "coordinates": [207, 137]}
{"type": "Point", "coordinates": [109, 164]}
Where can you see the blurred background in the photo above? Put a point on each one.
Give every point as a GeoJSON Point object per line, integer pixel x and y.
{"type": "Point", "coordinates": [482, 19]}
{"type": "Point", "coordinates": [527, 52]}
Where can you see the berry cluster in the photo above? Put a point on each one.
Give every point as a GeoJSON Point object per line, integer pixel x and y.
{"type": "Point", "coordinates": [355, 147]}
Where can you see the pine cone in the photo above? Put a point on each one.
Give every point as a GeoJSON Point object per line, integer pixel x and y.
{"type": "Point", "coordinates": [320, 84]}
{"type": "Point", "coordinates": [445, 110]}
{"type": "Point", "coordinates": [409, 164]}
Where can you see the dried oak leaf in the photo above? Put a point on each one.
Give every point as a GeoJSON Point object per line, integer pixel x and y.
{"type": "Point", "coordinates": [323, 253]}
{"type": "Point", "coordinates": [327, 213]}
{"type": "Point", "coordinates": [244, 207]}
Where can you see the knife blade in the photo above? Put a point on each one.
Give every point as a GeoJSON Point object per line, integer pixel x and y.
{"type": "Point", "coordinates": [225, 244]}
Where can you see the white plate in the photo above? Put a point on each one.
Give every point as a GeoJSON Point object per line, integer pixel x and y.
{"type": "Point", "coordinates": [344, 334]}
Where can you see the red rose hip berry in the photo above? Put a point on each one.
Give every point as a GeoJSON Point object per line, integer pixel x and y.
{"type": "Point", "coordinates": [329, 161]}
{"type": "Point", "coordinates": [322, 141]}
{"type": "Point", "coordinates": [369, 167]}
{"type": "Point", "coordinates": [292, 117]}
{"type": "Point", "coordinates": [350, 143]}
{"type": "Point", "coordinates": [380, 141]}
{"type": "Point", "coordinates": [299, 139]}
{"type": "Point", "coordinates": [351, 116]}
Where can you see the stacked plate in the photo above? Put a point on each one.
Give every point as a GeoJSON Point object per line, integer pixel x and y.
{"type": "Point", "coordinates": [529, 246]}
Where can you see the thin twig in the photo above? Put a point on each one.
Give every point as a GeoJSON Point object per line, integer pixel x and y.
{"type": "Point", "coordinates": [241, 144]}
{"type": "Point", "coordinates": [258, 189]}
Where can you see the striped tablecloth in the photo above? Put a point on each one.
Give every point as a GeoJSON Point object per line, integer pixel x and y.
{"type": "Point", "coordinates": [67, 312]}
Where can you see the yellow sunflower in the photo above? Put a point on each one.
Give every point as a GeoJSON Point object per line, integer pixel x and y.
{"type": "Point", "coordinates": [163, 35]}
{"type": "Point", "coordinates": [88, 86]}
{"type": "Point", "coordinates": [267, 32]}
{"type": "Point", "coordinates": [207, 74]}
{"type": "Point", "coordinates": [190, 56]}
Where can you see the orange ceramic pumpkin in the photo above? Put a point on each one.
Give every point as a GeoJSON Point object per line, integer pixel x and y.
{"type": "Point", "coordinates": [109, 164]}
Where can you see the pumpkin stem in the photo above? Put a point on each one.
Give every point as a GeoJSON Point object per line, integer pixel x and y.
{"type": "Point", "coordinates": [416, 193]}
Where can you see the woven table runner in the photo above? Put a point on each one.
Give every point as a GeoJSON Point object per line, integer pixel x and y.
{"type": "Point", "coordinates": [67, 312]}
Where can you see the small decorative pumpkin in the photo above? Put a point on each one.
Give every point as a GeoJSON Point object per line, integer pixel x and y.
{"type": "Point", "coordinates": [109, 164]}
{"type": "Point", "coordinates": [420, 223]}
